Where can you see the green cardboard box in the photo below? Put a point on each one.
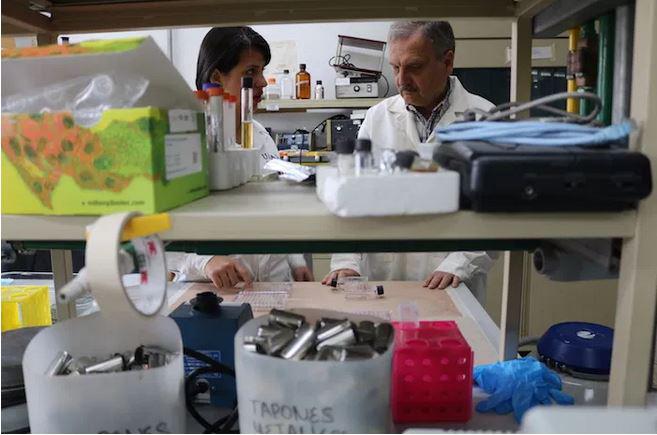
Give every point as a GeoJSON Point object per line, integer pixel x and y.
{"type": "Point", "coordinates": [149, 158]}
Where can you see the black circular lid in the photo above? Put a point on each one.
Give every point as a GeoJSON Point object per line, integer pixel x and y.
{"type": "Point", "coordinates": [302, 66]}
{"type": "Point", "coordinates": [286, 71]}
{"type": "Point", "coordinates": [404, 159]}
{"type": "Point", "coordinates": [345, 146]}
{"type": "Point", "coordinates": [207, 302]}
{"type": "Point", "coordinates": [319, 82]}
{"type": "Point", "coordinates": [364, 145]}
{"type": "Point", "coordinates": [247, 82]}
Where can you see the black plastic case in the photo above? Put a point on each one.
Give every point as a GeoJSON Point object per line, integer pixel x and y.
{"type": "Point", "coordinates": [511, 178]}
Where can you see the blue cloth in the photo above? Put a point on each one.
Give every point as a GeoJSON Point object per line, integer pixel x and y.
{"type": "Point", "coordinates": [517, 385]}
{"type": "Point", "coordinates": [534, 133]}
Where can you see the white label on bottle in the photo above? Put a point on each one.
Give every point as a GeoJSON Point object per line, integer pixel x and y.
{"type": "Point", "coordinates": [183, 154]}
{"type": "Point", "coordinates": [181, 121]}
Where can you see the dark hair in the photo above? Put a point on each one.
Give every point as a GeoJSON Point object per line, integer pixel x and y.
{"type": "Point", "coordinates": [222, 47]}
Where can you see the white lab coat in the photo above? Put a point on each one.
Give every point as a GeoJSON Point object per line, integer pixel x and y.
{"type": "Point", "coordinates": [272, 268]}
{"type": "Point", "coordinates": [390, 125]}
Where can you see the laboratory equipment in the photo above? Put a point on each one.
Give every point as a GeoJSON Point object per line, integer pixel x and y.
{"type": "Point", "coordinates": [148, 399]}
{"type": "Point", "coordinates": [498, 177]}
{"type": "Point", "coordinates": [595, 420]}
{"type": "Point", "coordinates": [235, 120]}
{"type": "Point", "coordinates": [302, 83]}
{"type": "Point", "coordinates": [247, 112]}
{"type": "Point", "coordinates": [387, 161]}
{"type": "Point", "coordinates": [580, 349]}
{"type": "Point", "coordinates": [359, 291]}
{"type": "Point", "coordinates": [273, 90]}
{"type": "Point", "coordinates": [24, 306]}
{"type": "Point", "coordinates": [216, 111]}
{"type": "Point", "coordinates": [358, 63]}
{"type": "Point", "coordinates": [264, 382]}
{"type": "Point", "coordinates": [344, 281]}
{"type": "Point", "coordinates": [286, 85]}
{"type": "Point", "coordinates": [203, 98]}
{"type": "Point", "coordinates": [204, 313]}
{"type": "Point", "coordinates": [363, 158]}
{"type": "Point", "coordinates": [227, 122]}
{"type": "Point", "coordinates": [432, 373]}
{"type": "Point", "coordinates": [338, 130]}
{"type": "Point", "coordinates": [319, 90]}
{"type": "Point", "coordinates": [345, 157]}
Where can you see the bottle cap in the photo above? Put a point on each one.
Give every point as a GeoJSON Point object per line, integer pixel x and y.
{"type": "Point", "coordinates": [233, 98]}
{"type": "Point", "coordinates": [404, 159]}
{"type": "Point", "coordinates": [364, 145]}
{"type": "Point", "coordinates": [379, 290]}
{"type": "Point", "coordinates": [302, 66]}
{"type": "Point", "coordinates": [345, 146]}
{"type": "Point", "coordinates": [247, 82]}
{"type": "Point", "coordinates": [207, 86]}
{"type": "Point", "coordinates": [201, 95]}
{"type": "Point", "coordinates": [286, 71]}
{"type": "Point", "coordinates": [271, 80]}
{"type": "Point", "coordinates": [215, 92]}
{"type": "Point", "coordinates": [319, 82]}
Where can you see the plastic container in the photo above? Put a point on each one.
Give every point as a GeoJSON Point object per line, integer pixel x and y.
{"type": "Point", "coordinates": [273, 90]}
{"type": "Point", "coordinates": [431, 373]}
{"type": "Point", "coordinates": [319, 90]}
{"type": "Point", "coordinates": [24, 306]}
{"type": "Point", "coordinates": [286, 85]}
{"type": "Point", "coordinates": [141, 401]}
{"type": "Point", "coordinates": [282, 396]}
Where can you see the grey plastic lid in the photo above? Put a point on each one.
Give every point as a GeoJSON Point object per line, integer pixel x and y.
{"type": "Point", "coordinates": [345, 146]}
{"type": "Point", "coordinates": [363, 145]}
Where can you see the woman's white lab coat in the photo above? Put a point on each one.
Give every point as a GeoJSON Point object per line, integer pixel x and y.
{"type": "Point", "coordinates": [272, 268]}
{"type": "Point", "coordinates": [390, 125]}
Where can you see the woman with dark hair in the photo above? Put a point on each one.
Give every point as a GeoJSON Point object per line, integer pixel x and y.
{"type": "Point", "coordinates": [227, 54]}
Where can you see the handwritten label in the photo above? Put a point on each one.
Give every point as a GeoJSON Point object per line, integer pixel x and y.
{"type": "Point", "coordinates": [183, 154]}
{"type": "Point", "coordinates": [182, 121]}
{"type": "Point", "coordinates": [160, 427]}
{"type": "Point", "coordinates": [273, 417]}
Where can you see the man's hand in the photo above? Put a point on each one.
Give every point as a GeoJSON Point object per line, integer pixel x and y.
{"type": "Point", "coordinates": [302, 273]}
{"type": "Point", "coordinates": [441, 280]}
{"type": "Point", "coordinates": [339, 273]}
{"type": "Point", "coordinates": [224, 272]}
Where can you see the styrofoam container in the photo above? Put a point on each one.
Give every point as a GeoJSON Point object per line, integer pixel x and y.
{"type": "Point", "coordinates": [281, 396]}
{"type": "Point", "coordinates": [232, 167]}
{"type": "Point", "coordinates": [407, 193]}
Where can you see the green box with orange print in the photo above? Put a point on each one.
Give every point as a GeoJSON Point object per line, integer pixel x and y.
{"type": "Point", "coordinates": [149, 158]}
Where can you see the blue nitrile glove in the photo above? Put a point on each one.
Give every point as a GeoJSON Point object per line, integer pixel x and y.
{"type": "Point", "coordinates": [518, 385]}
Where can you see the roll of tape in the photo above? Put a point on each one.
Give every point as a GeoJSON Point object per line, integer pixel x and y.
{"type": "Point", "coordinates": [104, 273]}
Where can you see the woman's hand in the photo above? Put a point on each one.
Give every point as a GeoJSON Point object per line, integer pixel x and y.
{"type": "Point", "coordinates": [441, 280]}
{"type": "Point", "coordinates": [224, 272]}
{"type": "Point", "coordinates": [302, 273]}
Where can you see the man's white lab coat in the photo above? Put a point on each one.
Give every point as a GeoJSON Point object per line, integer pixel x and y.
{"type": "Point", "coordinates": [272, 268]}
{"type": "Point", "coordinates": [390, 125]}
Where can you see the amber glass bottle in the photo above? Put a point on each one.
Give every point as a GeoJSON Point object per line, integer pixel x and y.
{"type": "Point", "coordinates": [303, 83]}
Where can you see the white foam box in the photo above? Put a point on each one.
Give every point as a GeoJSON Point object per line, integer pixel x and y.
{"type": "Point", "coordinates": [408, 193]}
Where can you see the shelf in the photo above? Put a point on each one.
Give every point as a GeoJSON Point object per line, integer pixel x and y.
{"type": "Point", "coordinates": [563, 15]}
{"type": "Point", "coordinates": [274, 106]}
{"type": "Point", "coordinates": [79, 16]}
{"type": "Point", "coordinates": [277, 211]}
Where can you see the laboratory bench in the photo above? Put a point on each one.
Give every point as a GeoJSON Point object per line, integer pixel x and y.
{"type": "Point", "coordinates": [250, 219]}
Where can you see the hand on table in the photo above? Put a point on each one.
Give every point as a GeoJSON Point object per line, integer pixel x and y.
{"type": "Point", "coordinates": [441, 280]}
{"type": "Point", "coordinates": [302, 273]}
{"type": "Point", "coordinates": [338, 273]}
{"type": "Point", "coordinates": [224, 272]}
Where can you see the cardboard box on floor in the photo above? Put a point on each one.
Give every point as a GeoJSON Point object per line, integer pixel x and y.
{"type": "Point", "coordinates": [150, 158]}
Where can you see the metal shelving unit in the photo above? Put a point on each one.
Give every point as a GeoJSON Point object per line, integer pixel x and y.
{"type": "Point", "coordinates": [224, 217]}
{"type": "Point", "coordinates": [282, 106]}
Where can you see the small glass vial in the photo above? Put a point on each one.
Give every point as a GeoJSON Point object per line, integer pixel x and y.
{"type": "Point", "coordinates": [345, 157]}
{"type": "Point", "coordinates": [226, 122]}
{"type": "Point", "coordinates": [363, 291]}
{"type": "Point", "coordinates": [272, 91]}
{"type": "Point", "coordinates": [246, 114]}
{"type": "Point", "coordinates": [203, 98]}
{"type": "Point", "coordinates": [286, 85]}
{"type": "Point", "coordinates": [363, 158]}
{"type": "Point", "coordinates": [319, 90]}
{"type": "Point", "coordinates": [235, 119]}
{"type": "Point", "coordinates": [303, 82]}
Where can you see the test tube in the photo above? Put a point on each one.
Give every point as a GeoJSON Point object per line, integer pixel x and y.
{"type": "Point", "coordinates": [227, 121]}
{"type": "Point", "coordinates": [216, 109]}
{"type": "Point", "coordinates": [234, 119]}
{"type": "Point", "coordinates": [247, 112]}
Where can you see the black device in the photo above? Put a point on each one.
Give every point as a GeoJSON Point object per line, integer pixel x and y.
{"type": "Point", "coordinates": [338, 130]}
{"type": "Point", "coordinates": [513, 178]}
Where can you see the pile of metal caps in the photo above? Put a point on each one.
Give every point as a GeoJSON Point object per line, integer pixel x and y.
{"type": "Point", "coordinates": [142, 358]}
{"type": "Point", "coordinates": [289, 336]}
